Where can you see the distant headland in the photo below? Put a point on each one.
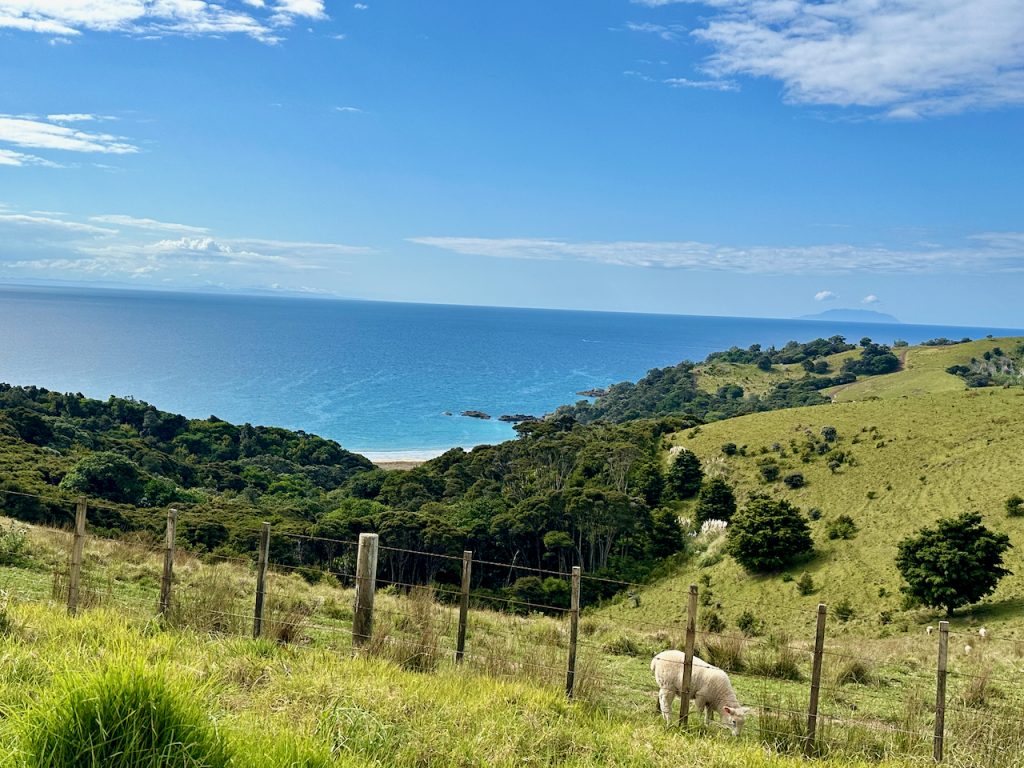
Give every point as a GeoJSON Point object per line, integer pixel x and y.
{"type": "Point", "coordinates": [852, 316]}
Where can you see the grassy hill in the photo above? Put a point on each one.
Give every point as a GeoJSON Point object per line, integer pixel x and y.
{"type": "Point", "coordinates": [924, 371]}
{"type": "Point", "coordinates": [932, 456]}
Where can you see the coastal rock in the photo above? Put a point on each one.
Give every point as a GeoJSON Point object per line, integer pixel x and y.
{"type": "Point", "coordinates": [447, 413]}
{"type": "Point", "coordinates": [517, 417]}
{"type": "Point", "coordinates": [596, 392]}
{"type": "Point", "coordinates": [476, 415]}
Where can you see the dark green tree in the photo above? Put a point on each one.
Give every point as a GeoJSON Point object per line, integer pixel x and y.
{"type": "Point", "coordinates": [684, 475]}
{"type": "Point", "coordinates": [105, 474]}
{"type": "Point", "coordinates": [953, 564]}
{"type": "Point", "coordinates": [716, 501]}
{"type": "Point", "coordinates": [666, 534]}
{"type": "Point", "coordinates": [768, 535]}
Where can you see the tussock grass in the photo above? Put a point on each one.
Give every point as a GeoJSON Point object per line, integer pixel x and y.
{"type": "Point", "coordinates": [124, 716]}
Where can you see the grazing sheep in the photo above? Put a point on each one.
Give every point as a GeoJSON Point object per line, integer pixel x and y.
{"type": "Point", "coordinates": [982, 633]}
{"type": "Point", "coordinates": [929, 630]}
{"type": "Point", "coordinates": [709, 688]}
{"type": "Point", "coordinates": [967, 649]}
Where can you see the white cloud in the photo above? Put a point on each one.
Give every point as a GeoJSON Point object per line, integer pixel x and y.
{"type": "Point", "coordinates": [156, 18]}
{"type": "Point", "coordinates": [666, 32]}
{"type": "Point", "coordinates": [870, 299]}
{"type": "Point", "coordinates": [51, 222]}
{"type": "Point", "coordinates": [360, 6]}
{"type": "Point", "coordinates": [39, 134]}
{"type": "Point", "coordinates": [706, 85]}
{"type": "Point", "coordinates": [10, 157]}
{"type": "Point", "coordinates": [826, 296]}
{"type": "Point", "coordinates": [152, 224]}
{"type": "Point", "coordinates": [906, 59]}
{"type": "Point", "coordinates": [76, 117]}
{"type": "Point", "coordinates": [348, 109]}
{"type": "Point", "coordinates": [136, 248]}
{"type": "Point", "coordinates": [994, 253]}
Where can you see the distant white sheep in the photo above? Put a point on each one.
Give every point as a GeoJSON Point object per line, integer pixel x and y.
{"type": "Point", "coordinates": [982, 633]}
{"type": "Point", "coordinates": [968, 648]}
{"type": "Point", "coordinates": [709, 688]}
{"type": "Point", "coordinates": [929, 630]}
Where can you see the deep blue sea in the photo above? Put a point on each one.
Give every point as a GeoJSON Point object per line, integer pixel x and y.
{"type": "Point", "coordinates": [375, 376]}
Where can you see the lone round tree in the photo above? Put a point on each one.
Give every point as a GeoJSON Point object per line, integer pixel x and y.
{"type": "Point", "coordinates": [716, 501]}
{"type": "Point", "coordinates": [768, 534]}
{"type": "Point", "coordinates": [956, 563]}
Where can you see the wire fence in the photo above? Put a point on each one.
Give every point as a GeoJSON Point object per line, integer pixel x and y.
{"type": "Point", "coordinates": [952, 696]}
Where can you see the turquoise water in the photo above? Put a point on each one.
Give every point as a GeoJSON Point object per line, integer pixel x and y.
{"type": "Point", "coordinates": [378, 377]}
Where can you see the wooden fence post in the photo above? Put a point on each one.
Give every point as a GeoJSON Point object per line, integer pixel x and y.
{"type": "Point", "coordinates": [77, 550]}
{"type": "Point", "coordinates": [263, 558]}
{"type": "Point", "coordinates": [691, 636]}
{"type": "Point", "coordinates": [574, 628]}
{"type": "Point", "coordinates": [940, 692]}
{"type": "Point", "coordinates": [165, 582]}
{"type": "Point", "coordinates": [812, 706]}
{"type": "Point", "coordinates": [467, 570]}
{"type": "Point", "coordinates": [366, 586]}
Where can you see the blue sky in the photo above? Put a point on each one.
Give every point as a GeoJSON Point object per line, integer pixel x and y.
{"type": "Point", "coordinates": [732, 157]}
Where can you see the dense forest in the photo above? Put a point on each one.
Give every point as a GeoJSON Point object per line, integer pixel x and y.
{"type": "Point", "coordinates": [588, 485]}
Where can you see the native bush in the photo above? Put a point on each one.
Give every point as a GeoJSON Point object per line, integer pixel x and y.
{"type": "Point", "coordinates": [1015, 506]}
{"type": "Point", "coordinates": [685, 475]}
{"type": "Point", "coordinates": [716, 501]}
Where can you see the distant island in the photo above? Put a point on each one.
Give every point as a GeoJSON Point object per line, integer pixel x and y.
{"type": "Point", "coordinates": [852, 316]}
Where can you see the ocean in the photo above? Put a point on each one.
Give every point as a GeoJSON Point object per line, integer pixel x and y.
{"type": "Point", "coordinates": [377, 377]}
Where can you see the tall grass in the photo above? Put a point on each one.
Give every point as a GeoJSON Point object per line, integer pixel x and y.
{"type": "Point", "coordinates": [125, 716]}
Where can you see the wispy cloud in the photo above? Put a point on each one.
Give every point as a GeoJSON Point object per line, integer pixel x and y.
{"type": "Point", "coordinates": [826, 296]}
{"type": "Point", "coordinates": [118, 246]}
{"type": "Point", "coordinates": [904, 59]}
{"type": "Point", "coordinates": [11, 158]}
{"type": "Point", "coordinates": [994, 253]}
{"type": "Point", "coordinates": [870, 300]}
{"type": "Point", "coordinates": [704, 85]}
{"type": "Point", "coordinates": [77, 117]}
{"type": "Point", "coordinates": [42, 134]}
{"type": "Point", "coordinates": [261, 19]}
{"type": "Point", "coordinates": [151, 224]}
{"type": "Point", "coordinates": [352, 110]}
{"type": "Point", "coordinates": [667, 32]}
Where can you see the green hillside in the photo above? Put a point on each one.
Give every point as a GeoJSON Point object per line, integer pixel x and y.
{"type": "Point", "coordinates": [929, 456]}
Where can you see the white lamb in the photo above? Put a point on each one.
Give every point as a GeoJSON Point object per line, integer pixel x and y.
{"type": "Point", "coordinates": [709, 688]}
{"type": "Point", "coordinates": [982, 633]}
{"type": "Point", "coordinates": [968, 649]}
{"type": "Point", "coordinates": [929, 630]}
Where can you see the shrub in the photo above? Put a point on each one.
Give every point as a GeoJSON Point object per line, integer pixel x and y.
{"type": "Point", "coordinates": [768, 534]}
{"type": "Point", "coordinates": [854, 671]}
{"type": "Point", "coordinates": [814, 513]}
{"type": "Point", "coordinates": [729, 449]}
{"type": "Point", "coordinates": [749, 624]}
{"type": "Point", "coordinates": [769, 470]}
{"type": "Point", "coordinates": [843, 610]}
{"type": "Point", "coordinates": [1015, 506]}
{"type": "Point", "coordinates": [712, 622]}
{"type": "Point", "coordinates": [14, 549]}
{"type": "Point", "coordinates": [794, 480]}
{"type": "Point", "coordinates": [842, 527]}
{"type": "Point", "coordinates": [805, 584]}
{"type": "Point", "coordinates": [829, 434]}
{"type": "Point", "coordinates": [625, 645]}
{"type": "Point", "coordinates": [122, 717]}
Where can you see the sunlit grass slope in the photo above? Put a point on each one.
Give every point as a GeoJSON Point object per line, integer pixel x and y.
{"type": "Point", "coordinates": [915, 459]}
{"type": "Point", "coordinates": [279, 706]}
{"type": "Point", "coordinates": [924, 371]}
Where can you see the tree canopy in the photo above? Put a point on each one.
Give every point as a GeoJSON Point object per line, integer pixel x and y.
{"type": "Point", "coordinates": [955, 563]}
